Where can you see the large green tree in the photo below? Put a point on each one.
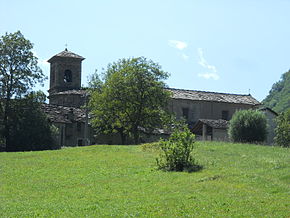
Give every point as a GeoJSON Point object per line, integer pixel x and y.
{"type": "Point", "coordinates": [131, 97]}
{"type": "Point", "coordinates": [279, 96]}
{"type": "Point", "coordinates": [18, 73]}
{"type": "Point", "coordinates": [30, 129]}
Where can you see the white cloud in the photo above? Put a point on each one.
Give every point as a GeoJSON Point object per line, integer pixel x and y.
{"type": "Point", "coordinates": [203, 62]}
{"type": "Point", "coordinates": [209, 76]}
{"type": "Point", "coordinates": [177, 44]}
{"type": "Point", "coordinates": [184, 56]}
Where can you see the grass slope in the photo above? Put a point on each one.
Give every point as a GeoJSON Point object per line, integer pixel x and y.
{"type": "Point", "coordinates": [119, 181]}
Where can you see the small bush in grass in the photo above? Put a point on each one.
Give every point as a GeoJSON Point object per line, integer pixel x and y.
{"type": "Point", "coordinates": [176, 152]}
{"type": "Point", "coordinates": [248, 126]}
{"type": "Point", "coordinates": [282, 130]}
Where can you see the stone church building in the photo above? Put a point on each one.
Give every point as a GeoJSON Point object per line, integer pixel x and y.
{"type": "Point", "coordinates": [207, 113]}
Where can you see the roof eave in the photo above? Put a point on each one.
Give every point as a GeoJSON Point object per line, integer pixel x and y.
{"type": "Point", "coordinates": [216, 101]}
{"type": "Point", "coordinates": [60, 57]}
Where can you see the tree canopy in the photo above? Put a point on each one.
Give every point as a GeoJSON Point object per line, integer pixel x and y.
{"type": "Point", "coordinates": [282, 130]}
{"type": "Point", "coordinates": [129, 98]}
{"type": "Point", "coordinates": [279, 96]}
{"type": "Point", "coordinates": [30, 129]}
{"type": "Point", "coordinates": [18, 74]}
{"type": "Point", "coordinates": [248, 126]}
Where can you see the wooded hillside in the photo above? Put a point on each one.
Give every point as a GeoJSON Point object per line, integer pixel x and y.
{"type": "Point", "coordinates": [279, 96]}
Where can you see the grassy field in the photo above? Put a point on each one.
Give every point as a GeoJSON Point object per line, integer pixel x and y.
{"type": "Point", "coordinates": [238, 180]}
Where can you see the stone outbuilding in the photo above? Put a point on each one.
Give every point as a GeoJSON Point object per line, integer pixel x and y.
{"type": "Point", "coordinates": [211, 130]}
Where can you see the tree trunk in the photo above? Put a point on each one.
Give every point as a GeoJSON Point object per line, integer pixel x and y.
{"type": "Point", "coordinates": [7, 110]}
{"type": "Point", "coordinates": [123, 137]}
{"type": "Point", "coordinates": [7, 126]}
{"type": "Point", "coordinates": [136, 136]}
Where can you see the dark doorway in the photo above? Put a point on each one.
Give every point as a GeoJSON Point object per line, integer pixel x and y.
{"type": "Point", "coordinates": [80, 142]}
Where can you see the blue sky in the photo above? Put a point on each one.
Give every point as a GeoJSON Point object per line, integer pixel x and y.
{"type": "Point", "coordinates": [211, 45]}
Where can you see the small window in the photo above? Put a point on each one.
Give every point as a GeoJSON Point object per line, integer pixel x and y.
{"type": "Point", "coordinates": [67, 76]}
{"type": "Point", "coordinates": [225, 115]}
{"type": "Point", "coordinates": [185, 113]}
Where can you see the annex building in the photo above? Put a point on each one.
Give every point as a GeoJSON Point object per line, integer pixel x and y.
{"type": "Point", "coordinates": [207, 113]}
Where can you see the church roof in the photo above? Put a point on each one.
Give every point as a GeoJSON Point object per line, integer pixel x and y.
{"type": "Point", "coordinates": [217, 124]}
{"type": "Point", "coordinates": [61, 114]}
{"type": "Point", "coordinates": [66, 54]}
{"type": "Point", "coordinates": [213, 96]}
{"type": "Point", "coordinates": [268, 109]}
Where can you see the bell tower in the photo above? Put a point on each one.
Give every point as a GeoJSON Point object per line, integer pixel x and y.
{"type": "Point", "coordinates": [65, 72]}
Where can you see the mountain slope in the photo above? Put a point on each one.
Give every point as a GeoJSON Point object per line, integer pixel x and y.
{"type": "Point", "coordinates": [279, 96]}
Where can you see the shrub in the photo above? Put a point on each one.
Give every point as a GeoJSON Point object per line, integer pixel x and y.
{"type": "Point", "coordinates": [248, 126]}
{"type": "Point", "coordinates": [282, 130]}
{"type": "Point", "coordinates": [176, 152]}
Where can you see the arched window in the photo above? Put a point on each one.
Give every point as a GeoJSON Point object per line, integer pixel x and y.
{"type": "Point", "coordinates": [67, 76]}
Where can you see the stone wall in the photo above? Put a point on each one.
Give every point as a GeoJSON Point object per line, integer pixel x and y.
{"type": "Point", "coordinates": [271, 125]}
{"type": "Point", "coordinates": [204, 110]}
{"type": "Point", "coordinates": [220, 135]}
{"type": "Point", "coordinates": [68, 100]}
{"type": "Point", "coordinates": [72, 134]}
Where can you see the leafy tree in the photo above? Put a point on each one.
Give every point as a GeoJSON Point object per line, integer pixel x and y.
{"type": "Point", "coordinates": [248, 126]}
{"type": "Point", "coordinates": [282, 130]}
{"type": "Point", "coordinates": [131, 98]}
{"type": "Point", "coordinates": [30, 129]}
{"type": "Point", "coordinates": [279, 96]}
{"type": "Point", "coordinates": [177, 152]}
{"type": "Point", "coordinates": [94, 82]}
{"type": "Point", "coordinates": [18, 73]}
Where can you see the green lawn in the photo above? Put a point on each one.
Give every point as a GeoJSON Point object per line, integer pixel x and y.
{"type": "Point", "coordinates": [238, 180]}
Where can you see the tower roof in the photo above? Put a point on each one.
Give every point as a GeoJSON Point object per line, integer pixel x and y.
{"type": "Point", "coordinates": [66, 54]}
